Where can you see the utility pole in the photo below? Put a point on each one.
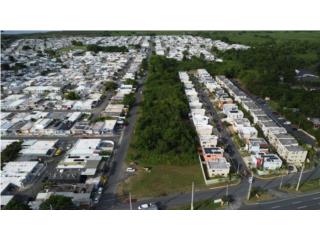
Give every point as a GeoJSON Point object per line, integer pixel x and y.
{"type": "Point", "coordinates": [250, 186]}
{"type": "Point", "coordinates": [130, 201]}
{"type": "Point", "coordinates": [192, 193]}
{"type": "Point", "coordinates": [298, 185]}
{"type": "Point", "coordinates": [227, 191]}
{"type": "Point", "coordinates": [280, 186]}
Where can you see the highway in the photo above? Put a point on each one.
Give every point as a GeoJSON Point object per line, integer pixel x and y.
{"type": "Point", "coordinates": [310, 201]}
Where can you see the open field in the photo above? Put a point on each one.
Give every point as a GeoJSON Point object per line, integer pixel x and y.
{"type": "Point", "coordinates": [163, 180]}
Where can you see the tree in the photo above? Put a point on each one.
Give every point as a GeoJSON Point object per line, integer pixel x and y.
{"type": "Point", "coordinates": [131, 82]}
{"type": "Point", "coordinates": [72, 95]}
{"type": "Point", "coordinates": [96, 48]}
{"type": "Point", "coordinates": [129, 99]}
{"type": "Point", "coordinates": [16, 205]}
{"type": "Point", "coordinates": [76, 43]}
{"type": "Point", "coordinates": [57, 202]}
{"type": "Point", "coordinates": [111, 86]}
{"type": "Point", "coordinates": [26, 47]}
{"type": "Point", "coordinates": [10, 152]}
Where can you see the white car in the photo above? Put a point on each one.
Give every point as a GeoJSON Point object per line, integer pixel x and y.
{"type": "Point", "coordinates": [130, 170]}
{"type": "Point", "coordinates": [250, 179]}
{"type": "Point", "coordinates": [287, 123]}
{"type": "Point", "coordinates": [148, 206]}
{"type": "Point", "coordinates": [100, 190]}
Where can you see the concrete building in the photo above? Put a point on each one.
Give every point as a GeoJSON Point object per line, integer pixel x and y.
{"type": "Point", "coordinates": [212, 153]}
{"type": "Point", "coordinates": [218, 167]}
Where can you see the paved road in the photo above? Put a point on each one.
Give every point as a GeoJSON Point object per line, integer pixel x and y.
{"type": "Point", "coordinates": [234, 155]}
{"type": "Point", "coordinates": [310, 201]}
{"type": "Point", "coordinates": [117, 171]}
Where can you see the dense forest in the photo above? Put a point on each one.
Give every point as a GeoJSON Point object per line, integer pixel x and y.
{"type": "Point", "coordinates": [164, 133]}
{"type": "Point", "coordinates": [268, 70]}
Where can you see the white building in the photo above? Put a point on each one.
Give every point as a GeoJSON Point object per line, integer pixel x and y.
{"type": "Point", "coordinates": [208, 141]}
{"type": "Point", "coordinates": [41, 89]}
{"type": "Point", "coordinates": [17, 173]}
{"type": "Point", "coordinates": [39, 147]}
{"type": "Point", "coordinates": [219, 167]}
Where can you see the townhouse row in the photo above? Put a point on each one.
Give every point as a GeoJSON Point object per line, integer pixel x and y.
{"type": "Point", "coordinates": [286, 146]}
{"type": "Point", "coordinates": [211, 155]}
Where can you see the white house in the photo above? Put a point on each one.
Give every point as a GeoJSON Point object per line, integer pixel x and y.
{"type": "Point", "coordinates": [219, 167]}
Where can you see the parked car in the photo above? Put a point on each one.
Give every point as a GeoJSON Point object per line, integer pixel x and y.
{"type": "Point", "coordinates": [130, 170]}
{"type": "Point", "coordinates": [100, 189]}
{"type": "Point", "coordinates": [148, 206]}
{"type": "Point", "coordinates": [292, 169]}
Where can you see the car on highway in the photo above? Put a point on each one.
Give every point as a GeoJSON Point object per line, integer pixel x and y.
{"type": "Point", "coordinates": [58, 152]}
{"type": "Point", "coordinates": [130, 170]}
{"type": "Point", "coordinates": [96, 199]}
{"type": "Point", "coordinates": [251, 179]}
{"type": "Point", "coordinates": [292, 169]}
{"type": "Point", "coordinates": [148, 206]}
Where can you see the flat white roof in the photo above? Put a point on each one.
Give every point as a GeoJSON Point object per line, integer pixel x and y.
{"type": "Point", "coordinates": [39, 147]}
{"type": "Point", "coordinates": [85, 146]}
{"type": "Point", "coordinates": [109, 124]}
{"type": "Point", "coordinates": [220, 163]}
{"type": "Point", "coordinates": [5, 199]}
{"type": "Point", "coordinates": [114, 108]}
{"type": "Point", "coordinates": [16, 172]}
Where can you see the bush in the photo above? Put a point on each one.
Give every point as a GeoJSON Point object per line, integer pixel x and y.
{"type": "Point", "coordinates": [110, 86]}
{"type": "Point", "coordinates": [72, 96]}
{"type": "Point", "coordinates": [16, 205]}
{"type": "Point", "coordinates": [10, 152]}
{"type": "Point", "coordinates": [96, 48]}
{"type": "Point", "coordinates": [129, 99]}
{"type": "Point", "coordinates": [57, 202]}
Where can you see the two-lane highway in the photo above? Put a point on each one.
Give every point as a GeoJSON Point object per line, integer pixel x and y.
{"type": "Point", "coordinates": [310, 201]}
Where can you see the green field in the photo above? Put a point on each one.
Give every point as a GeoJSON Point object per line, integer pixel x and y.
{"type": "Point", "coordinates": [163, 180]}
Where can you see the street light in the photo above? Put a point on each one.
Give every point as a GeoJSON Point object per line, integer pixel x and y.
{"type": "Point", "coordinates": [192, 193]}
{"type": "Point", "coordinates": [300, 176]}
{"type": "Point", "coordinates": [280, 186]}
{"type": "Point", "coordinates": [130, 202]}
{"type": "Point", "coordinates": [250, 186]}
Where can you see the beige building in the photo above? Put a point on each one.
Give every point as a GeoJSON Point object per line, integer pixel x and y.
{"type": "Point", "coordinates": [219, 167]}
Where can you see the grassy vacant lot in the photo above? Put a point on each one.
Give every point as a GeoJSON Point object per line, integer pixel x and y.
{"type": "Point", "coordinates": [311, 185]}
{"type": "Point", "coordinates": [163, 180]}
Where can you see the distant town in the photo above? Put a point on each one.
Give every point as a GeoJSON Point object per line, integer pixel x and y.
{"type": "Point", "coordinates": [154, 121]}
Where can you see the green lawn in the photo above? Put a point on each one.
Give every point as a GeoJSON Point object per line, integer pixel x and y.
{"type": "Point", "coordinates": [310, 185]}
{"type": "Point", "coordinates": [163, 180]}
